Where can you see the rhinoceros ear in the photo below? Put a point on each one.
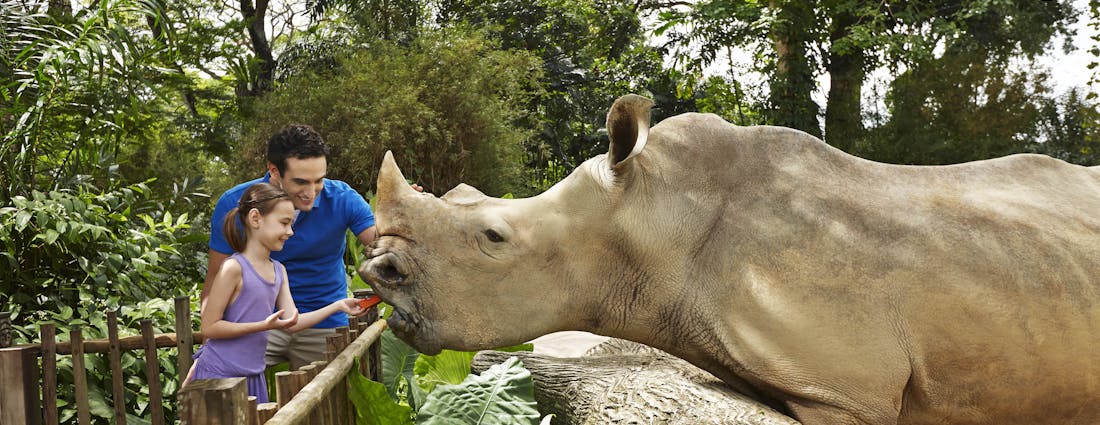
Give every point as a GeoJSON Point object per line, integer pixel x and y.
{"type": "Point", "coordinates": [628, 126]}
{"type": "Point", "coordinates": [391, 183]}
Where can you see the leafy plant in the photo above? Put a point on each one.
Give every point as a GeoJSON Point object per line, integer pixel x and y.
{"type": "Point", "coordinates": [73, 255]}
{"type": "Point", "coordinates": [503, 394]}
{"type": "Point", "coordinates": [440, 389]}
{"type": "Point", "coordinates": [373, 406]}
{"type": "Point", "coordinates": [447, 105]}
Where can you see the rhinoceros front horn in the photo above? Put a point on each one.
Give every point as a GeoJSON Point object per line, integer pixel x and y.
{"type": "Point", "coordinates": [391, 184]}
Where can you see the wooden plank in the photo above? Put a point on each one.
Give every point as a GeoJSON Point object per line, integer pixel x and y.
{"type": "Point", "coordinates": [19, 402]}
{"type": "Point", "coordinates": [265, 411]}
{"type": "Point", "coordinates": [80, 377]}
{"type": "Point", "coordinates": [214, 402]}
{"type": "Point", "coordinates": [130, 343]}
{"type": "Point", "coordinates": [118, 392]}
{"type": "Point", "coordinates": [48, 334]}
{"type": "Point", "coordinates": [309, 397]}
{"type": "Point", "coordinates": [152, 374]}
{"type": "Point", "coordinates": [185, 342]}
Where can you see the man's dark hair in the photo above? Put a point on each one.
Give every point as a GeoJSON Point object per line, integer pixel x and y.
{"type": "Point", "coordinates": [295, 141]}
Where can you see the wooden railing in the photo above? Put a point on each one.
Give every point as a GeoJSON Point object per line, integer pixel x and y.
{"type": "Point", "coordinates": [314, 394]}
{"type": "Point", "coordinates": [28, 396]}
{"type": "Point", "coordinates": [22, 386]}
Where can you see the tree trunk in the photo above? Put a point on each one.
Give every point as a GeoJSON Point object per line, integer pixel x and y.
{"type": "Point", "coordinates": [61, 10]}
{"type": "Point", "coordinates": [625, 382]}
{"type": "Point", "coordinates": [254, 17]}
{"type": "Point", "coordinates": [793, 82]}
{"type": "Point", "coordinates": [843, 119]}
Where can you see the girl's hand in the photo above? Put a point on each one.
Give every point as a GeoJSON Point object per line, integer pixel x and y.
{"type": "Point", "coordinates": [275, 320]}
{"type": "Point", "coordinates": [350, 306]}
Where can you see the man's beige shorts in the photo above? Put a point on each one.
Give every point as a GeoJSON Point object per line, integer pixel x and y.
{"type": "Point", "coordinates": [301, 348]}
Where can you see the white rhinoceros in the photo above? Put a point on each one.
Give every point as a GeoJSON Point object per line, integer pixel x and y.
{"type": "Point", "coordinates": [838, 289]}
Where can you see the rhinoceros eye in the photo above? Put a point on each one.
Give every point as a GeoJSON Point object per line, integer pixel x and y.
{"type": "Point", "coordinates": [494, 236]}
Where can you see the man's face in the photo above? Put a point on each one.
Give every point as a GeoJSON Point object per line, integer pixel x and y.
{"type": "Point", "coordinates": [303, 180]}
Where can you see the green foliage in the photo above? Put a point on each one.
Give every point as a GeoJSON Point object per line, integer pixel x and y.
{"type": "Point", "coordinates": [64, 246]}
{"type": "Point", "coordinates": [592, 52]}
{"type": "Point", "coordinates": [411, 380]}
{"type": "Point", "coordinates": [792, 42]}
{"type": "Point", "coordinates": [78, 89]}
{"type": "Point", "coordinates": [940, 114]}
{"type": "Point", "coordinates": [450, 367]}
{"type": "Point", "coordinates": [398, 365]}
{"type": "Point", "coordinates": [71, 256]}
{"type": "Point", "coordinates": [91, 319]}
{"type": "Point", "coordinates": [373, 406]}
{"type": "Point", "coordinates": [445, 105]}
{"type": "Point", "coordinates": [1069, 129]}
{"type": "Point", "coordinates": [503, 394]}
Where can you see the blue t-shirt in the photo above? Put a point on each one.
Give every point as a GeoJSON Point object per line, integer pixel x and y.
{"type": "Point", "coordinates": [314, 254]}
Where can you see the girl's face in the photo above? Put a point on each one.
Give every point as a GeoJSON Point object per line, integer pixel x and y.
{"type": "Point", "coordinates": [273, 229]}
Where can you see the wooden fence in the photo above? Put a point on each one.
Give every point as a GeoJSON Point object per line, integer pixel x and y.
{"type": "Point", "coordinates": [316, 394]}
{"type": "Point", "coordinates": [28, 392]}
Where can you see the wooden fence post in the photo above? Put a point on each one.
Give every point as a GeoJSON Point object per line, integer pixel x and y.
{"type": "Point", "coordinates": [115, 358]}
{"type": "Point", "coordinates": [152, 373]}
{"type": "Point", "coordinates": [214, 402]}
{"type": "Point", "coordinates": [80, 376]}
{"type": "Point", "coordinates": [19, 380]}
{"type": "Point", "coordinates": [48, 331]}
{"type": "Point", "coordinates": [264, 411]}
{"type": "Point", "coordinates": [374, 353]}
{"type": "Point", "coordinates": [185, 340]}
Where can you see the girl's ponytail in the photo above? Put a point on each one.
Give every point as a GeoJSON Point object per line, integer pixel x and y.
{"type": "Point", "coordinates": [232, 229]}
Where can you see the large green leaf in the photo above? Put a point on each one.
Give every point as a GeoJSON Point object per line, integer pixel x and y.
{"type": "Point", "coordinates": [398, 363]}
{"type": "Point", "coordinates": [450, 367]}
{"type": "Point", "coordinates": [504, 394]}
{"type": "Point", "coordinates": [373, 406]}
{"type": "Point", "coordinates": [447, 367]}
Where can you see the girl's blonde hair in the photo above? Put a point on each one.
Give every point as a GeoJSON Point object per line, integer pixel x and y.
{"type": "Point", "coordinates": [261, 196]}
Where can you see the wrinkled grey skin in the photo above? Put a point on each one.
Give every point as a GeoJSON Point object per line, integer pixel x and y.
{"type": "Point", "coordinates": [838, 289]}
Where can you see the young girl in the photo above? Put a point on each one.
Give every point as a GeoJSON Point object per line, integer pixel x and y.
{"type": "Point", "coordinates": [249, 286]}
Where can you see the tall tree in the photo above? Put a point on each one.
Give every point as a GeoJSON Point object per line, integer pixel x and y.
{"type": "Point", "coordinates": [860, 37]}
{"type": "Point", "coordinates": [591, 53]}
{"type": "Point", "coordinates": [792, 81]}
{"type": "Point", "coordinates": [254, 14]}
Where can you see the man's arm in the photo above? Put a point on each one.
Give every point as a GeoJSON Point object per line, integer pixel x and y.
{"type": "Point", "coordinates": [213, 264]}
{"type": "Point", "coordinates": [366, 237]}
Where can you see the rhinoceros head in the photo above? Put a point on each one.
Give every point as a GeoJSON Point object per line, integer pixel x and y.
{"type": "Point", "coordinates": [467, 271]}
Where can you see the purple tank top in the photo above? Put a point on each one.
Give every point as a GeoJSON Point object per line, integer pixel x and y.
{"type": "Point", "coordinates": [242, 356]}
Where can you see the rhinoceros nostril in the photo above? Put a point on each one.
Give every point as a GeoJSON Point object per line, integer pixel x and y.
{"type": "Point", "coordinates": [385, 269]}
{"type": "Point", "coordinates": [388, 273]}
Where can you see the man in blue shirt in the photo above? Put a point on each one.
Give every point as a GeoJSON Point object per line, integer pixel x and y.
{"type": "Point", "coordinates": [314, 256]}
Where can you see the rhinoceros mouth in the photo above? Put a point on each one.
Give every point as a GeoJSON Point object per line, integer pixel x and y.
{"type": "Point", "coordinates": [402, 322]}
{"type": "Point", "coordinates": [407, 326]}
